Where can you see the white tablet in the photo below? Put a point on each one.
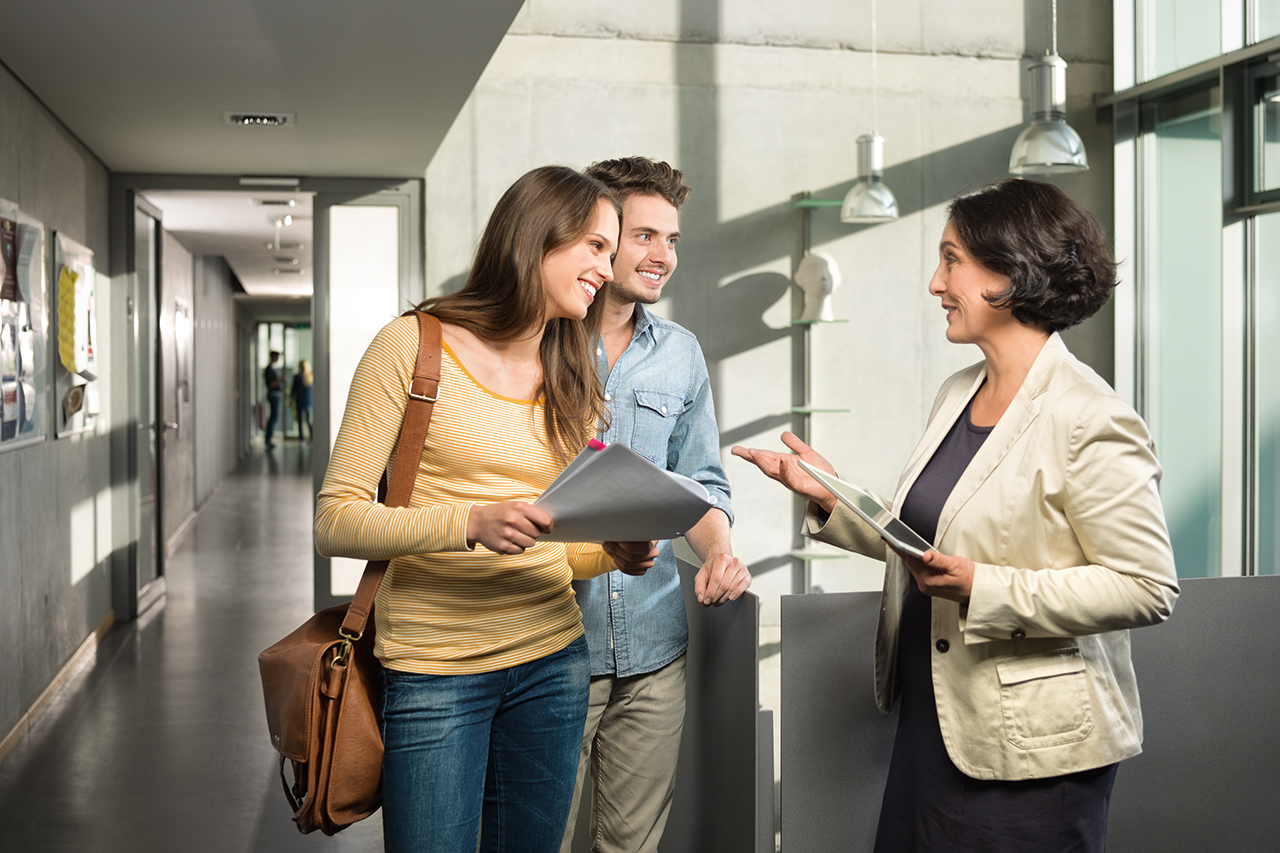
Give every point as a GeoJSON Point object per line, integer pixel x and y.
{"type": "Point", "coordinates": [870, 510]}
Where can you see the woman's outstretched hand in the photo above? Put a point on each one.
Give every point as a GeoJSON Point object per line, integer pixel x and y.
{"type": "Point", "coordinates": [785, 468]}
{"type": "Point", "coordinates": [632, 558]}
{"type": "Point", "coordinates": [508, 527]}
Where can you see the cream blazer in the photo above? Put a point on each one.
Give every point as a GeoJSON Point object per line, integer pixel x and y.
{"type": "Point", "coordinates": [1060, 512]}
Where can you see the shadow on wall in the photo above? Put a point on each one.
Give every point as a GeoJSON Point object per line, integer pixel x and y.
{"type": "Point", "coordinates": [729, 319]}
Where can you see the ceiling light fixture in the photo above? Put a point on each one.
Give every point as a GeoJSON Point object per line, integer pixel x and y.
{"type": "Point", "coordinates": [266, 181]}
{"type": "Point", "coordinates": [869, 200]}
{"type": "Point", "coordinates": [254, 119]}
{"type": "Point", "coordinates": [1048, 146]}
{"type": "Point", "coordinates": [275, 202]}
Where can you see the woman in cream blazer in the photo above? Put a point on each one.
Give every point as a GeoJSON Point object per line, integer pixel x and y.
{"type": "Point", "coordinates": [1039, 488]}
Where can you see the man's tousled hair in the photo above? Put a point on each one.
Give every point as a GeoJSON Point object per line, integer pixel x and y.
{"type": "Point", "coordinates": [628, 176]}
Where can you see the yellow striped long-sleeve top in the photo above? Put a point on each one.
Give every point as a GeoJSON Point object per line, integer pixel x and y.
{"type": "Point", "coordinates": [443, 608]}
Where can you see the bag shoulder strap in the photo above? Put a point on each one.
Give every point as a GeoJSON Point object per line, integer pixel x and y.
{"type": "Point", "coordinates": [423, 391]}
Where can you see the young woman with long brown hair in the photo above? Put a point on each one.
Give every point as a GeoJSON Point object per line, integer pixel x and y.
{"type": "Point", "coordinates": [485, 664]}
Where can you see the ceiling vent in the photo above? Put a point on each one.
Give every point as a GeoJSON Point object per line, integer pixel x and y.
{"type": "Point", "coordinates": [246, 119]}
{"type": "Point", "coordinates": [285, 246]}
{"type": "Point", "coordinates": [275, 202]}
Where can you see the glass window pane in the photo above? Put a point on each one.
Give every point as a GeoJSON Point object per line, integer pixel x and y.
{"type": "Point", "coordinates": [1184, 32]}
{"type": "Point", "coordinates": [1183, 286]}
{"type": "Point", "coordinates": [1269, 133]}
{"type": "Point", "coordinates": [1267, 13]}
{"type": "Point", "coordinates": [1267, 393]}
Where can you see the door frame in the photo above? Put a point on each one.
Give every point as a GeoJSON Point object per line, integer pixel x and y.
{"type": "Point", "coordinates": [124, 188]}
{"type": "Point", "coordinates": [128, 600]}
{"type": "Point", "coordinates": [408, 197]}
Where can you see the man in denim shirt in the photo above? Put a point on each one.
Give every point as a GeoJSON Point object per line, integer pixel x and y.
{"type": "Point", "coordinates": [656, 384]}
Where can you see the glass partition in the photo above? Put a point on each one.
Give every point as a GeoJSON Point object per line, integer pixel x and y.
{"type": "Point", "coordinates": [1267, 393]}
{"type": "Point", "coordinates": [1183, 296]}
{"type": "Point", "coordinates": [1268, 129]}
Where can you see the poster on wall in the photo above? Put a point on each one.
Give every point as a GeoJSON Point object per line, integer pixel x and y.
{"type": "Point", "coordinates": [23, 328]}
{"type": "Point", "coordinates": [76, 325]}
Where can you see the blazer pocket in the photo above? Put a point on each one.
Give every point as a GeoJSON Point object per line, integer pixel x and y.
{"type": "Point", "coordinates": [1045, 700]}
{"type": "Point", "coordinates": [656, 414]}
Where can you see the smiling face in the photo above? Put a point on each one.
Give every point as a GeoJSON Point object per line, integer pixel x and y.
{"type": "Point", "coordinates": [574, 272]}
{"type": "Point", "coordinates": [961, 282]}
{"type": "Point", "coordinates": [647, 251]}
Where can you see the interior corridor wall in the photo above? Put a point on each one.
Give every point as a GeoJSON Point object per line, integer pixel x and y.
{"type": "Point", "coordinates": [44, 615]}
{"type": "Point", "coordinates": [217, 394]}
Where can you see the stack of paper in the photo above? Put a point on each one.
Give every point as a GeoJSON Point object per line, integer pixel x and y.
{"type": "Point", "coordinates": [613, 494]}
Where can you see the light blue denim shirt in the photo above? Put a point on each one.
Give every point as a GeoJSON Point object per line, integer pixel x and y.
{"type": "Point", "coordinates": [659, 397]}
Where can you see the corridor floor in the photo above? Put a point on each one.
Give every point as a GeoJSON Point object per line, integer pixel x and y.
{"type": "Point", "coordinates": [160, 743]}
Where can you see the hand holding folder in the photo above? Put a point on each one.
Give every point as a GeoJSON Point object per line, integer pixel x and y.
{"type": "Point", "coordinates": [613, 494]}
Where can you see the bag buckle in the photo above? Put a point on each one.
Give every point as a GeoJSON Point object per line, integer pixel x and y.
{"type": "Point", "coordinates": [344, 651]}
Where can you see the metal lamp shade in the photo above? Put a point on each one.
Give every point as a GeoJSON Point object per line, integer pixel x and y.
{"type": "Point", "coordinates": [869, 200]}
{"type": "Point", "coordinates": [1048, 146]}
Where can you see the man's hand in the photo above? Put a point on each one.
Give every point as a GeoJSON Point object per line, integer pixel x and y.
{"type": "Point", "coordinates": [722, 578]}
{"type": "Point", "coordinates": [941, 575]}
{"type": "Point", "coordinates": [632, 558]}
{"type": "Point", "coordinates": [508, 527]}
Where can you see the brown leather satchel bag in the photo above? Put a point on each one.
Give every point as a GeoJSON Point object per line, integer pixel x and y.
{"type": "Point", "coordinates": [321, 683]}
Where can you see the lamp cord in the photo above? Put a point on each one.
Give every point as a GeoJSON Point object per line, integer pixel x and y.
{"type": "Point", "coordinates": [1055, 27]}
{"type": "Point", "coordinates": [875, 77]}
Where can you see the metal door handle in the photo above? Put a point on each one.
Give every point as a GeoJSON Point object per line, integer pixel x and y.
{"type": "Point", "coordinates": [169, 425]}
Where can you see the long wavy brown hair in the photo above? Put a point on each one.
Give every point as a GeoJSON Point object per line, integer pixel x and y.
{"type": "Point", "coordinates": [504, 299]}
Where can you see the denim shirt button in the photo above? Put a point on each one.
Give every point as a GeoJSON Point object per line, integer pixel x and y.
{"type": "Point", "coordinates": [614, 596]}
{"type": "Point", "coordinates": [664, 410]}
{"type": "Point", "coordinates": [608, 397]}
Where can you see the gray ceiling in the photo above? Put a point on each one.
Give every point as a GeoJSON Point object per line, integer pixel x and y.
{"type": "Point", "coordinates": [374, 85]}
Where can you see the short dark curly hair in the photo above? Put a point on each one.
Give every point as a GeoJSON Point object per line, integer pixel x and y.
{"type": "Point", "coordinates": [628, 176]}
{"type": "Point", "coordinates": [1052, 250]}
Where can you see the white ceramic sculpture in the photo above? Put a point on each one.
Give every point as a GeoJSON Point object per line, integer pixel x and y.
{"type": "Point", "coordinates": [818, 276]}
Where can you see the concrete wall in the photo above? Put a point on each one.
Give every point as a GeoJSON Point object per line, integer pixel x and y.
{"type": "Point", "coordinates": [44, 617]}
{"type": "Point", "coordinates": [757, 102]}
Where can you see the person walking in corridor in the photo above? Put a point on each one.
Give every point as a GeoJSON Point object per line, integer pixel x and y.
{"type": "Point", "coordinates": [300, 393]}
{"type": "Point", "coordinates": [274, 381]}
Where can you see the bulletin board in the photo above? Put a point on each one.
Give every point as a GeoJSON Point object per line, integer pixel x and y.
{"type": "Point", "coordinates": [24, 388]}
{"type": "Point", "coordinates": [76, 399]}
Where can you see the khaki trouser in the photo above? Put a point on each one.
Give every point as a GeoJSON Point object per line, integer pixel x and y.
{"type": "Point", "coordinates": [631, 745]}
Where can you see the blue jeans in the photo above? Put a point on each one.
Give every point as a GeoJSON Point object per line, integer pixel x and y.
{"type": "Point", "coordinates": [276, 401]}
{"type": "Point", "coordinates": [492, 755]}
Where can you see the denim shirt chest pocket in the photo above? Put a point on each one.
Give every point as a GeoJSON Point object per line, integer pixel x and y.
{"type": "Point", "coordinates": [656, 413]}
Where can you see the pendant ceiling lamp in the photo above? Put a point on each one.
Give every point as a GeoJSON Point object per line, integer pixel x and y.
{"type": "Point", "coordinates": [869, 200]}
{"type": "Point", "coordinates": [1048, 146]}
